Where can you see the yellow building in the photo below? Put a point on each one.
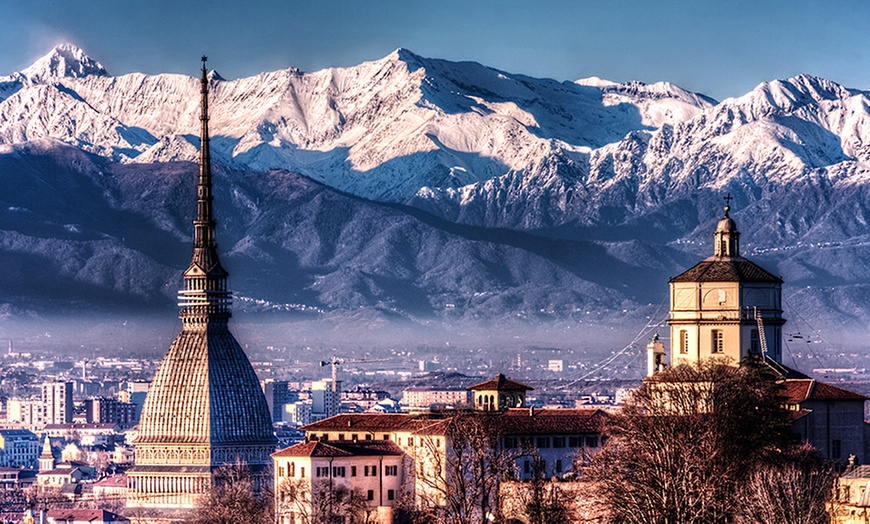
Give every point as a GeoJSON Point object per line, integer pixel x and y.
{"type": "Point", "coordinates": [726, 306]}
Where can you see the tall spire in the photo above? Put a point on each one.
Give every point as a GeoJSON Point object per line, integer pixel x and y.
{"type": "Point", "coordinates": [727, 237]}
{"type": "Point", "coordinates": [204, 298]}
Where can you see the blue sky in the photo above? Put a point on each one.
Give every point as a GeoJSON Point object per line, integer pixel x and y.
{"type": "Point", "coordinates": [720, 48]}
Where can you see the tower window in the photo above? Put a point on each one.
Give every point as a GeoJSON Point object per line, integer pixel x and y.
{"type": "Point", "coordinates": [718, 341]}
{"type": "Point", "coordinates": [684, 342]}
{"type": "Point", "coordinates": [754, 346]}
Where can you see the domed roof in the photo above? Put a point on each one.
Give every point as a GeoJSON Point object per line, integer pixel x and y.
{"type": "Point", "coordinates": [726, 225]}
{"type": "Point", "coordinates": [205, 392]}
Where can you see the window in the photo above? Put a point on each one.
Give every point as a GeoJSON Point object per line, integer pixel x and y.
{"type": "Point", "coordinates": [341, 436]}
{"type": "Point", "coordinates": [754, 346]}
{"type": "Point", "coordinates": [338, 471]}
{"type": "Point", "coordinates": [353, 471]}
{"type": "Point", "coordinates": [368, 437]}
{"type": "Point", "coordinates": [370, 471]}
{"type": "Point", "coordinates": [302, 472]}
{"type": "Point", "coordinates": [558, 442]}
{"type": "Point", "coordinates": [510, 442]}
{"type": "Point", "coordinates": [321, 471]}
{"type": "Point", "coordinates": [370, 495]}
{"type": "Point", "coordinates": [292, 470]}
{"type": "Point", "coordinates": [558, 466]}
{"type": "Point", "coordinates": [574, 442]}
{"type": "Point", "coordinates": [410, 441]}
{"type": "Point", "coordinates": [543, 442]}
{"type": "Point", "coordinates": [836, 450]}
{"type": "Point", "coordinates": [281, 471]}
{"type": "Point", "coordinates": [527, 467]}
{"type": "Point", "coordinates": [718, 341]}
{"type": "Point", "coordinates": [354, 437]}
{"type": "Point", "coordinates": [391, 494]}
{"type": "Point", "coordinates": [386, 436]}
{"type": "Point", "coordinates": [391, 470]}
{"type": "Point", "coordinates": [684, 342]}
{"type": "Point", "coordinates": [591, 442]}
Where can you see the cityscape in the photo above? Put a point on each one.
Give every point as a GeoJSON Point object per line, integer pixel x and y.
{"type": "Point", "coordinates": [417, 290]}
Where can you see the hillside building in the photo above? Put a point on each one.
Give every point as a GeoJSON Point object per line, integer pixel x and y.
{"type": "Point", "coordinates": [205, 408]}
{"type": "Point", "coordinates": [728, 307]}
{"type": "Point", "coordinates": [725, 306]}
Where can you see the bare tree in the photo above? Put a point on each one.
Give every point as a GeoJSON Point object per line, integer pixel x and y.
{"type": "Point", "coordinates": [685, 445]}
{"type": "Point", "coordinates": [460, 470]}
{"type": "Point", "coordinates": [795, 490]}
{"type": "Point", "coordinates": [322, 502]}
{"type": "Point", "coordinates": [234, 498]}
{"type": "Point", "coordinates": [543, 500]}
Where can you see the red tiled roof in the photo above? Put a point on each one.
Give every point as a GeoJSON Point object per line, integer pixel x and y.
{"type": "Point", "coordinates": [340, 449]}
{"type": "Point", "coordinates": [519, 421]}
{"type": "Point", "coordinates": [800, 390]}
{"type": "Point", "coordinates": [500, 383]}
{"type": "Point", "coordinates": [116, 481]}
{"type": "Point", "coordinates": [726, 269]}
{"type": "Point", "coordinates": [372, 422]}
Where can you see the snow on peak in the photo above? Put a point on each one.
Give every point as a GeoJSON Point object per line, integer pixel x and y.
{"type": "Point", "coordinates": [594, 81]}
{"type": "Point", "coordinates": [64, 61]}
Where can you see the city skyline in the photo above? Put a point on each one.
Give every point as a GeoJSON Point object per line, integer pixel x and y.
{"type": "Point", "coordinates": [721, 50]}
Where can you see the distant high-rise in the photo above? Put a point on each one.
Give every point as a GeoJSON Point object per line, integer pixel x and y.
{"type": "Point", "coordinates": [205, 408]}
{"type": "Point", "coordinates": [57, 402]}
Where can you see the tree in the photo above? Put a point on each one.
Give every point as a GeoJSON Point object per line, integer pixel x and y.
{"type": "Point", "coordinates": [234, 498]}
{"type": "Point", "coordinates": [543, 499]}
{"type": "Point", "coordinates": [459, 470]}
{"type": "Point", "coordinates": [795, 490]}
{"type": "Point", "coordinates": [684, 447]}
{"type": "Point", "coordinates": [321, 502]}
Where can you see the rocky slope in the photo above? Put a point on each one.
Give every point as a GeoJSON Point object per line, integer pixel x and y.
{"type": "Point", "coordinates": [439, 188]}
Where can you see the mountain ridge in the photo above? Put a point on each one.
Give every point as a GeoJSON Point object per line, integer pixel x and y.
{"type": "Point", "coordinates": [625, 178]}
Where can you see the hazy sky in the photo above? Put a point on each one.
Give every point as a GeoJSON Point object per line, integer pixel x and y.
{"type": "Point", "coordinates": [720, 48]}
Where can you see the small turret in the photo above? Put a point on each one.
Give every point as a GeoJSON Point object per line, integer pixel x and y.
{"type": "Point", "coordinates": [727, 237]}
{"type": "Point", "coordinates": [655, 351]}
{"type": "Point", "coordinates": [46, 459]}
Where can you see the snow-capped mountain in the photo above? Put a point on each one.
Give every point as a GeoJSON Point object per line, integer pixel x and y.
{"type": "Point", "coordinates": [628, 175]}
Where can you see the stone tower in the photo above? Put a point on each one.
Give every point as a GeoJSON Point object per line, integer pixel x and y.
{"type": "Point", "coordinates": [725, 306]}
{"type": "Point", "coordinates": [205, 408]}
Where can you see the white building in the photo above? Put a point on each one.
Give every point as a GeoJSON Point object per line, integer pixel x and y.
{"type": "Point", "coordinates": [365, 478]}
{"type": "Point", "coordinates": [57, 402]}
{"type": "Point", "coordinates": [19, 448]}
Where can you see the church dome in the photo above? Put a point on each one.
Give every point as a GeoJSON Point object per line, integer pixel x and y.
{"type": "Point", "coordinates": [726, 225]}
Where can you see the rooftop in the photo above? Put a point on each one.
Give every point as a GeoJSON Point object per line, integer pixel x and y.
{"type": "Point", "coordinates": [500, 383]}
{"type": "Point", "coordinates": [726, 269]}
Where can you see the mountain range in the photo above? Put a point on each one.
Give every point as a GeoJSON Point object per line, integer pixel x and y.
{"type": "Point", "coordinates": [412, 188]}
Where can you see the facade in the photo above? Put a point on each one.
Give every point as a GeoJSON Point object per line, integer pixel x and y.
{"type": "Point", "coordinates": [325, 399]}
{"type": "Point", "coordinates": [851, 503]}
{"type": "Point", "coordinates": [725, 306]}
{"type": "Point", "coordinates": [19, 448]}
{"type": "Point", "coordinates": [27, 412]}
{"type": "Point", "coordinates": [110, 411]}
{"type": "Point", "coordinates": [314, 478]}
{"type": "Point", "coordinates": [57, 402]}
{"type": "Point", "coordinates": [425, 397]}
{"type": "Point", "coordinates": [537, 441]}
{"type": "Point", "coordinates": [278, 393]}
{"type": "Point", "coordinates": [828, 417]}
{"type": "Point", "coordinates": [205, 408]}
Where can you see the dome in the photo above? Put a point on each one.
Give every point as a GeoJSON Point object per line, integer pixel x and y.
{"type": "Point", "coordinates": [726, 225]}
{"type": "Point", "coordinates": [205, 392]}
